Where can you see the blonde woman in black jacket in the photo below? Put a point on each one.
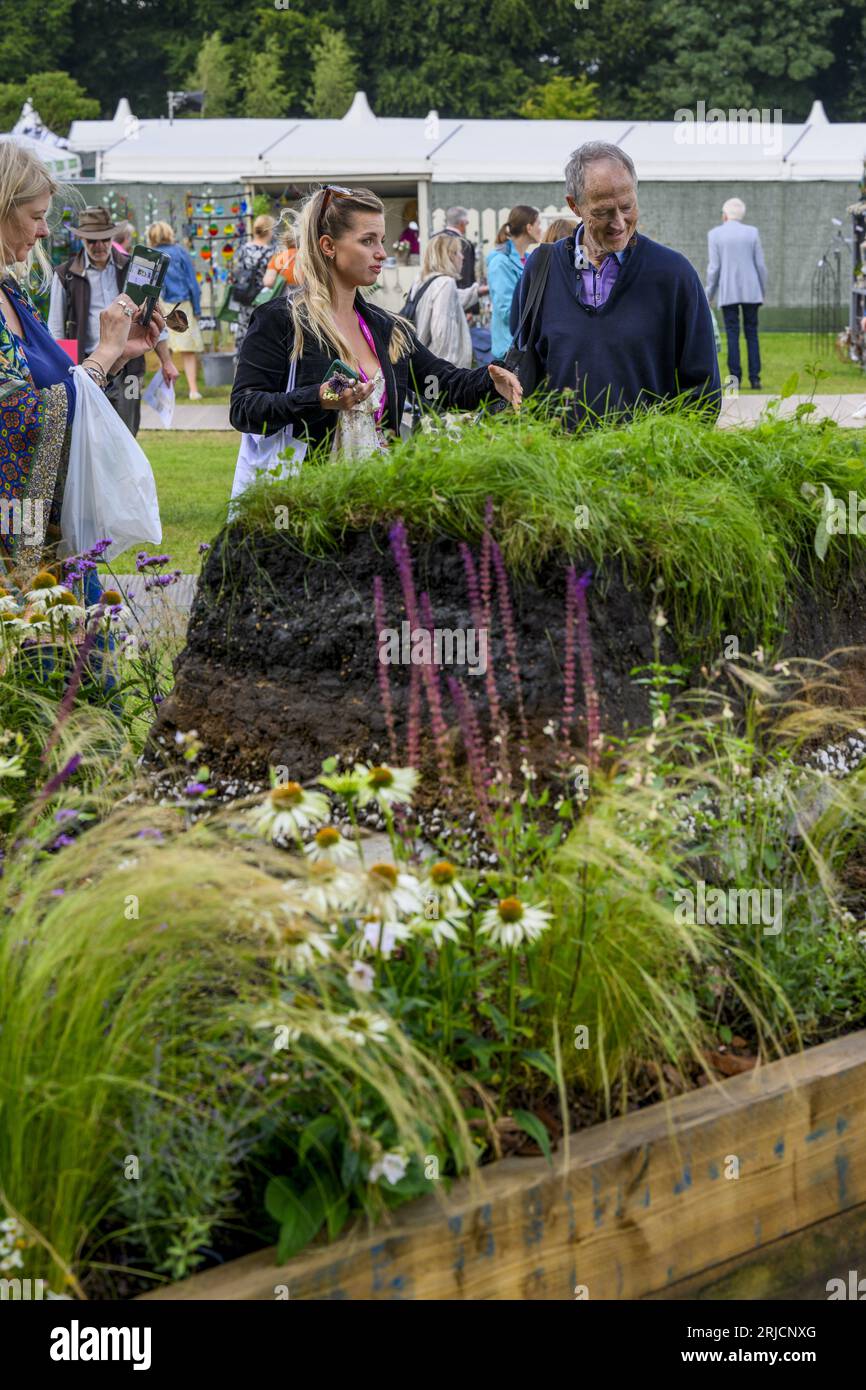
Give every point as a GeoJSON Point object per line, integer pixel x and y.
{"type": "Point", "coordinates": [342, 249]}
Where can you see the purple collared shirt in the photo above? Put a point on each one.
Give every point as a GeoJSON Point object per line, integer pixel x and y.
{"type": "Point", "coordinates": [597, 283]}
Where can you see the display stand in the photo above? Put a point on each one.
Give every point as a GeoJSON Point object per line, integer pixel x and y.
{"type": "Point", "coordinates": [215, 229]}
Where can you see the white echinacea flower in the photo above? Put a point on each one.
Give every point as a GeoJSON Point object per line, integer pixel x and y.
{"type": "Point", "coordinates": [288, 810]}
{"type": "Point", "coordinates": [359, 1026]}
{"type": "Point", "coordinates": [511, 923]}
{"type": "Point", "coordinates": [385, 785]}
{"type": "Point", "coordinates": [384, 891]}
{"type": "Point", "coordinates": [329, 846]}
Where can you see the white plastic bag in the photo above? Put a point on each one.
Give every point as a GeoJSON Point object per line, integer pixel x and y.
{"type": "Point", "coordinates": [110, 488]}
{"type": "Point", "coordinates": [159, 395]}
{"type": "Point", "coordinates": [261, 452]}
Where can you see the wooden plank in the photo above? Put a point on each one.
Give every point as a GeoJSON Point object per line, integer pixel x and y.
{"type": "Point", "coordinates": [637, 1205]}
{"type": "Point", "coordinates": [795, 1268]}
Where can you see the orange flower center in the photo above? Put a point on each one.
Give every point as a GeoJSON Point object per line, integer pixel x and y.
{"type": "Point", "coordinates": [327, 836]}
{"type": "Point", "coordinates": [510, 909]}
{"type": "Point", "coordinates": [386, 873]}
{"type": "Point", "coordinates": [381, 777]}
{"type": "Point", "coordinates": [443, 872]}
{"type": "Point", "coordinates": [289, 794]}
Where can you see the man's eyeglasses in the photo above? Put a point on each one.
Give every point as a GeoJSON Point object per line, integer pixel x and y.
{"type": "Point", "coordinates": [332, 190]}
{"type": "Point", "coordinates": [98, 240]}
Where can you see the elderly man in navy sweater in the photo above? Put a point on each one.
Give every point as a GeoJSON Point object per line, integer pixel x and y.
{"type": "Point", "coordinates": [623, 321]}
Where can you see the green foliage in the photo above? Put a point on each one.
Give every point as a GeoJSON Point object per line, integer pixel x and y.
{"type": "Point", "coordinates": [214, 74]}
{"type": "Point", "coordinates": [265, 94]}
{"type": "Point", "coordinates": [334, 77]}
{"type": "Point", "coordinates": [562, 98]}
{"type": "Point", "coordinates": [481, 61]}
{"type": "Point", "coordinates": [58, 98]}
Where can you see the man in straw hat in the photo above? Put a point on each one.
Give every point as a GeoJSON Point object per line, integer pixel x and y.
{"type": "Point", "coordinates": [82, 287]}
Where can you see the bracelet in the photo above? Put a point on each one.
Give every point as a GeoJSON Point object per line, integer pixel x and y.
{"type": "Point", "coordinates": [95, 372]}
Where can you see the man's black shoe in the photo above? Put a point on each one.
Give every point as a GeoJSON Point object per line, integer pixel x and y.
{"type": "Point", "coordinates": [755, 385]}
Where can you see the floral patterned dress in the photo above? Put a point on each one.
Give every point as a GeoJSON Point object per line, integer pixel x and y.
{"type": "Point", "coordinates": [359, 431]}
{"type": "Point", "coordinates": [37, 403]}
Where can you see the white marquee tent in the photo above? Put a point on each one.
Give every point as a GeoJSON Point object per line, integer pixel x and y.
{"type": "Point", "coordinates": [433, 150]}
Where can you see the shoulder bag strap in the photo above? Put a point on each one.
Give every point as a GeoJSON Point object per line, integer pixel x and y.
{"type": "Point", "coordinates": [422, 288]}
{"type": "Point", "coordinates": [533, 299]}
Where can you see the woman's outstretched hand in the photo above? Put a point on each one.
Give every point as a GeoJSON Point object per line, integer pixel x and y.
{"type": "Point", "coordinates": [507, 385]}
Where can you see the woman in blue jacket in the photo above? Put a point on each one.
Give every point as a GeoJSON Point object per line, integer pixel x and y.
{"type": "Point", "coordinates": [505, 267]}
{"type": "Point", "coordinates": [180, 288]}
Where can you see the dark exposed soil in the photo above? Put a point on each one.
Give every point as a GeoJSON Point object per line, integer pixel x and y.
{"type": "Point", "coordinates": [280, 666]}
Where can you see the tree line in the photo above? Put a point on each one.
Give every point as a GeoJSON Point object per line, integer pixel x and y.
{"type": "Point", "coordinates": [615, 59]}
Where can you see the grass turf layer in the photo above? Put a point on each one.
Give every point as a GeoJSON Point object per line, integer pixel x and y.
{"type": "Point", "coordinates": [720, 516]}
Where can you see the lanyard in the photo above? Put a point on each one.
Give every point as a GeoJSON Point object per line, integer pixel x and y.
{"type": "Point", "coordinates": [372, 346]}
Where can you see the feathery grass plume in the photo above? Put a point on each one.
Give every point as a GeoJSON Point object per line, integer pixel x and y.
{"type": "Point", "coordinates": [584, 645]}
{"type": "Point", "coordinates": [510, 631]}
{"type": "Point", "coordinates": [382, 669]}
{"type": "Point", "coordinates": [437, 720]}
{"type": "Point", "coordinates": [75, 678]}
{"type": "Point", "coordinates": [474, 745]}
{"type": "Point", "coordinates": [109, 997]}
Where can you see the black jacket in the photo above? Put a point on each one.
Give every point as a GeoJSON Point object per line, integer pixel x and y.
{"type": "Point", "coordinates": [260, 404]}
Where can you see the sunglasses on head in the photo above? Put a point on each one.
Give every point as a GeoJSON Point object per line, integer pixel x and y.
{"type": "Point", "coordinates": [332, 190]}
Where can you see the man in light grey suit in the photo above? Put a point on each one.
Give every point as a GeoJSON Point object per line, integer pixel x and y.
{"type": "Point", "coordinates": [738, 275]}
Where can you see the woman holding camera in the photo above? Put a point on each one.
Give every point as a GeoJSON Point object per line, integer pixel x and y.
{"type": "Point", "coordinates": [37, 394]}
{"type": "Point", "coordinates": [342, 250]}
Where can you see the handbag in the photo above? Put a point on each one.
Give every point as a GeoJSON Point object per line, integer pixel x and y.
{"type": "Point", "coordinates": [260, 453]}
{"type": "Point", "coordinates": [523, 361]}
{"type": "Point", "coordinates": [265, 296]}
{"type": "Point", "coordinates": [110, 488]}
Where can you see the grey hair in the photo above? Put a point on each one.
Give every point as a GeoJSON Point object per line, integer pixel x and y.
{"type": "Point", "coordinates": [456, 215]}
{"type": "Point", "coordinates": [735, 209]}
{"type": "Point", "coordinates": [590, 153]}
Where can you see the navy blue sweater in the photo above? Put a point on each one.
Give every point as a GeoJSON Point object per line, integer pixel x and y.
{"type": "Point", "coordinates": [652, 339]}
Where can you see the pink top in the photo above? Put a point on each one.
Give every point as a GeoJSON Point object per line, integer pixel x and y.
{"type": "Point", "coordinates": [371, 345]}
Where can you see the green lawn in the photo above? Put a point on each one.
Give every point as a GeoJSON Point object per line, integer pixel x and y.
{"type": "Point", "coordinates": [785, 353]}
{"type": "Point", "coordinates": [194, 471]}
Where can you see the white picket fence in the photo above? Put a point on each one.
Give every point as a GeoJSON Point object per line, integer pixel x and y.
{"type": "Point", "coordinates": [485, 223]}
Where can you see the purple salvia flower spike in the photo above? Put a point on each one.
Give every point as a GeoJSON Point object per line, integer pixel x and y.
{"type": "Point", "coordinates": [382, 668]}
{"type": "Point", "coordinates": [413, 755]}
{"type": "Point", "coordinates": [472, 743]}
{"type": "Point", "coordinates": [510, 640]}
{"type": "Point", "coordinates": [570, 673]}
{"type": "Point", "coordinates": [437, 719]}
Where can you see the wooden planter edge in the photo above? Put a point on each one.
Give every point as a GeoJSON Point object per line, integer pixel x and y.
{"type": "Point", "coordinates": [635, 1207]}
